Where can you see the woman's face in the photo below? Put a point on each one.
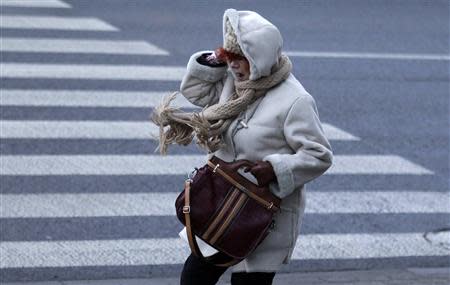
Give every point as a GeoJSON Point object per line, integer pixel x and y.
{"type": "Point", "coordinates": [240, 68]}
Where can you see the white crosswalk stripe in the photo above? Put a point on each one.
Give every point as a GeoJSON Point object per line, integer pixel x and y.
{"type": "Point", "coordinates": [89, 98]}
{"type": "Point", "coordinates": [334, 133]}
{"type": "Point", "coordinates": [55, 23]}
{"type": "Point", "coordinates": [174, 251]}
{"type": "Point", "coordinates": [389, 56]}
{"type": "Point", "coordinates": [91, 71]}
{"type": "Point", "coordinates": [375, 164]}
{"type": "Point", "coordinates": [35, 3]}
{"type": "Point", "coordinates": [49, 45]}
{"type": "Point", "coordinates": [106, 130]}
{"type": "Point", "coordinates": [180, 165]}
{"type": "Point", "coordinates": [162, 204]}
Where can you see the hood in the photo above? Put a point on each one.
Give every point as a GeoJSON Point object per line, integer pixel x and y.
{"type": "Point", "coordinates": [259, 40]}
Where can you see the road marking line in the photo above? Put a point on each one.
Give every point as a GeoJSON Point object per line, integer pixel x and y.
{"type": "Point", "coordinates": [80, 46]}
{"type": "Point", "coordinates": [378, 202]}
{"type": "Point", "coordinates": [181, 165]}
{"type": "Point", "coordinates": [106, 130]}
{"type": "Point", "coordinates": [371, 245]}
{"type": "Point", "coordinates": [399, 56]}
{"type": "Point", "coordinates": [67, 205]}
{"type": "Point", "coordinates": [35, 3]}
{"type": "Point", "coordinates": [88, 71]}
{"type": "Point", "coordinates": [375, 164]}
{"type": "Point", "coordinates": [55, 23]}
{"type": "Point", "coordinates": [334, 133]}
{"type": "Point", "coordinates": [134, 252]}
{"type": "Point", "coordinates": [87, 98]}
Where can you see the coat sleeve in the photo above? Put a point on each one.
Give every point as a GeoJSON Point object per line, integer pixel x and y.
{"type": "Point", "coordinates": [312, 152]}
{"type": "Point", "coordinates": [202, 84]}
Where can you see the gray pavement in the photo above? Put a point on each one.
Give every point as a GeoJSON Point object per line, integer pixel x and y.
{"type": "Point", "coordinates": [409, 276]}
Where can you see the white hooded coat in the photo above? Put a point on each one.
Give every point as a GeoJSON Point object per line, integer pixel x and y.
{"type": "Point", "coordinates": [282, 127]}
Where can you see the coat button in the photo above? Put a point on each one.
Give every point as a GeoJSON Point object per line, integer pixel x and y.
{"type": "Point", "coordinates": [243, 124]}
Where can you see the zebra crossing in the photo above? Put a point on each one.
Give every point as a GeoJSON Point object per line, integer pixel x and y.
{"type": "Point", "coordinates": [173, 250]}
{"type": "Point", "coordinates": [181, 164]}
{"type": "Point", "coordinates": [49, 45]}
{"type": "Point", "coordinates": [82, 98]}
{"type": "Point", "coordinates": [64, 205]}
{"type": "Point", "coordinates": [88, 71]}
{"type": "Point", "coordinates": [54, 23]}
{"type": "Point", "coordinates": [105, 129]}
{"type": "Point", "coordinates": [71, 205]}
{"type": "Point", "coordinates": [35, 4]}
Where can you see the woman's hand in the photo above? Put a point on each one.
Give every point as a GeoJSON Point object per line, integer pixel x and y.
{"type": "Point", "coordinates": [210, 59]}
{"type": "Point", "coordinates": [263, 171]}
{"type": "Point", "coordinates": [213, 59]}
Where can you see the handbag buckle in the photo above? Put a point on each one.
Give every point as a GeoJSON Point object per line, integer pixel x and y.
{"type": "Point", "coordinates": [192, 174]}
{"type": "Point", "coordinates": [215, 168]}
{"type": "Point", "coordinates": [186, 209]}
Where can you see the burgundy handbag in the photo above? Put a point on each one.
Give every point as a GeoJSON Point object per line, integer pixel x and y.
{"type": "Point", "coordinates": [227, 211]}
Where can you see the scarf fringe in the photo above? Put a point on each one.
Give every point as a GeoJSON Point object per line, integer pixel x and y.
{"type": "Point", "coordinates": [208, 136]}
{"type": "Point", "coordinates": [172, 129]}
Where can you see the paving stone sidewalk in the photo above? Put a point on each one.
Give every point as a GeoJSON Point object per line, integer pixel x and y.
{"type": "Point", "coordinates": [410, 276]}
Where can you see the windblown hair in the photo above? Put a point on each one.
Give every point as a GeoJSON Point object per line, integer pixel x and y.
{"type": "Point", "coordinates": [225, 55]}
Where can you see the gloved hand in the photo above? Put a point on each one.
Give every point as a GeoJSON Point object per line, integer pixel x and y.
{"type": "Point", "coordinates": [263, 171]}
{"type": "Point", "coordinates": [213, 59]}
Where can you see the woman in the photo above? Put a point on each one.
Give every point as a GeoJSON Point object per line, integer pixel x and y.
{"type": "Point", "coordinates": [255, 109]}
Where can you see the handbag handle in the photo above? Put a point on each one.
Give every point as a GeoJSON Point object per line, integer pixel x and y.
{"type": "Point", "coordinates": [240, 163]}
{"type": "Point", "coordinates": [260, 194]}
{"type": "Point", "coordinates": [234, 166]}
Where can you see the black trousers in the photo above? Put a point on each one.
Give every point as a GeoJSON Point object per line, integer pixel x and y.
{"type": "Point", "coordinates": [199, 272]}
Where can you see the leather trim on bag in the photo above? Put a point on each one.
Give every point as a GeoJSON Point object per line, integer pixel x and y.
{"type": "Point", "coordinates": [230, 217]}
{"type": "Point", "coordinates": [219, 208]}
{"type": "Point", "coordinates": [221, 214]}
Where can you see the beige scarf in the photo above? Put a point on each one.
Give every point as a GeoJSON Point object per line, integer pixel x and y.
{"type": "Point", "coordinates": [208, 124]}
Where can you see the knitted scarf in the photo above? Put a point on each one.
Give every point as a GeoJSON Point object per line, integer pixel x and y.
{"type": "Point", "coordinates": [176, 126]}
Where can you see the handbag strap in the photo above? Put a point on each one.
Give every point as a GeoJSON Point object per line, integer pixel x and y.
{"type": "Point", "coordinates": [186, 211]}
{"type": "Point", "coordinates": [217, 258]}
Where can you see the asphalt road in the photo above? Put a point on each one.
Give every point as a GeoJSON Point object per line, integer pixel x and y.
{"type": "Point", "coordinates": [387, 101]}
